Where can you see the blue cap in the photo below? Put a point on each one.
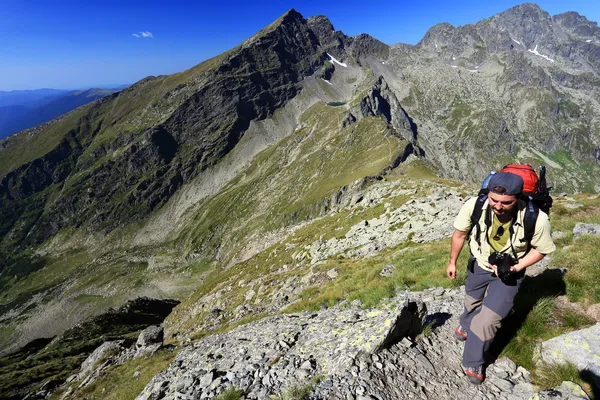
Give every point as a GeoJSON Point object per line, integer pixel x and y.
{"type": "Point", "coordinates": [512, 184]}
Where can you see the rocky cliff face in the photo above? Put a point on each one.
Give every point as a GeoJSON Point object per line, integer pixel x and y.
{"type": "Point", "coordinates": [508, 87]}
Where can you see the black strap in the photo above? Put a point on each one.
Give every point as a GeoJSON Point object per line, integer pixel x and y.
{"type": "Point", "coordinates": [531, 215]}
{"type": "Point", "coordinates": [476, 215]}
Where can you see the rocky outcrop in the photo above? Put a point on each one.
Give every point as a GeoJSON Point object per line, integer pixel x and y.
{"type": "Point", "coordinates": [344, 352]}
{"type": "Point", "coordinates": [581, 348]}
{"type": "Point", "coordinates": [419, 220]}
{"type": "Point", "coordinates": [112, 354]}
{"type": "Point", "coordinates": [586, 229]}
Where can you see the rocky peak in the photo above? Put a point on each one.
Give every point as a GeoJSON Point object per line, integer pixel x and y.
{"type": "Point", "coordinates": [577, 24]}
{"type": "Point", "coordinates": [363, 46]}
{"type": "Point", "coordinates": [331, 41]}
{"type": "Point", "coordinates": [526, 23]}
{"type": "Point", "coordinates": [322, 27]}
{"type": "Point", "coordinates": [441, 32]}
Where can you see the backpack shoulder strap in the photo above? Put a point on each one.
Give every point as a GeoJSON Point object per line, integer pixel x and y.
{"type": "Point", "coordinates": [531, 214]}
{"type": "Point", "coordinates": [476, 214]}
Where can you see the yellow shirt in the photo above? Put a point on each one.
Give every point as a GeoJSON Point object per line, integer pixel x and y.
{"type": "Point", "coordinates": [541, 241]}
{"type": "Point", "coordinates": [499, 234]}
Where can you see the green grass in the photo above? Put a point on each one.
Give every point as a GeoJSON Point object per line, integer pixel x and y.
{"type": "Point", "coordinates": [231, 394]}
{"type": "Point", "coordinates": [421, 267]}
{"type": "Point", "coordinates": [119, 383]}
{"type": "Point", "coordinates": [551, 376]}
{"type": "Point", "coordinates": [296, 186]}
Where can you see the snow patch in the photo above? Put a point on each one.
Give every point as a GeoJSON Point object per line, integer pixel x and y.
{"type": "Point", "coordinates": [589, 40]}
{"type": "Point", "coordinates": [453, 58]}
{"type": "Point", "coordinates": [535, 51]}
{"type": "Point", "coordinates": [333, 60]}
{"type": "Point", "coordinates": [472, 70]}
{"type": "Point", "coordinates": [454, 66]}
{"type": "Point", "coordinates": [516, 41]}
{"type": "Point", "coordinates": [325, 80]}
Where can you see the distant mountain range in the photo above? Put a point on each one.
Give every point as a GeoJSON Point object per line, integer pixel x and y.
{"type": "Point", "coordinates": [22, 109]}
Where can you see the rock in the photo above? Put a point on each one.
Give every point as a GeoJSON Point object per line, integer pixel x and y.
{"type": "Point", "coordinates": [593, 312]}
{"type": "Point", "coordinates": [526, 390]}
{"type": "Point", "coordinates": [207, 379]}
{"type": "Point", "coordinates": [502, 384]}
{"type": "Point", "coordinates": [104, 351]}
{"type": "Point", "coordinates": [586, 229]}
{"type": "Point", "coordinates": [573, 206]}
{"type": "Point", "coordinates": [388, 270]}
{"type": "Point", "coordinates": [506, 364]}
{"type": "Point", "coordinates": [303, 374]}
{"type": "Point", "coordinates": [250, 294]}
{"type": "Point", "coordinates": [571, 391]}
{"type": "Point", "coordinates": [582, 348]}
{"type": "Point", "coordinates": [333, 273]}
{"type": "Point", "coordinates": [149, 336]}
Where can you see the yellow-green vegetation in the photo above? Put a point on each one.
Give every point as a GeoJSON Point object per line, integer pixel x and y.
{"type": "Point", "coordinates": [55, 270]}
{"type": "Point", "coordinates": [126, 381]}
{"type": "Point", "coordinates": [426, 331]}
{"type": "Point", "coordinates": [293, 180]}
{"type": "Point", "coordinates": [419, 266]}
{"type": "Point", "coordinates": [550, 376]}
{"type": "Point", "coordinates": [231, 394]}
{"type": "Point", "coordinates": [299, 391]}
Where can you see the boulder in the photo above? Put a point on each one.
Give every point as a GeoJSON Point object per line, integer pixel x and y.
{"type": "Point", "coordinates": [581, 348]}
{"type": "Point", "coordinates": [149, 336]}
{"type": "Point", "coordinates": [586, 229]}
{"type": "Point", "coordinates": [101, 354]}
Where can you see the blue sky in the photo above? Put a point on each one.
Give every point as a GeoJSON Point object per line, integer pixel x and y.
{"type": "Point", "coordinates": [85, 43]}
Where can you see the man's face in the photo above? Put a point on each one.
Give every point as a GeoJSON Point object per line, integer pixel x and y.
{"type": "Point", "coordinates": [502, 203]}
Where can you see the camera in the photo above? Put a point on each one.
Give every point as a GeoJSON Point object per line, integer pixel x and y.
{"type": "Point", "coordinates": [503, 261]}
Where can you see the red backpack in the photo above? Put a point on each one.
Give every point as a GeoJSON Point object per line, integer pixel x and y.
{"type": "Point", "coordinates": [525, 171]}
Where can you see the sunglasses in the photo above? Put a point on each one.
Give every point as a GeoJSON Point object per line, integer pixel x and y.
{"type": "Point", "coordinates": [499, 233]}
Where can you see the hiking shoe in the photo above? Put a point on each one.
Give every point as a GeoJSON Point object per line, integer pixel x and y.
{"type": "Point", "coordinates": [475, 374]}
{"type": "Point", "coordinates": [460, 333]}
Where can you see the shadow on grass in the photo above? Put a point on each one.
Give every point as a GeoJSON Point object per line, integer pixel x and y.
{"type": "Point", "coordinates": [549, 284]}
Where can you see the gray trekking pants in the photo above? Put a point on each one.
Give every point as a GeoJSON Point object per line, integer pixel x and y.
{"type": "Point", "coordinates": [487, 301]}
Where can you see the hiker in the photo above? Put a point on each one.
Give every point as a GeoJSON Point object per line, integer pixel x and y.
{"type": "Point", "coordinates": [499, 255]}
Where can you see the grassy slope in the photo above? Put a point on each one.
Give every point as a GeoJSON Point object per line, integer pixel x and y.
{"type": "Point", "coordinates": [288, 182]}
{"type": "Point", "coordinates": [135, 109]}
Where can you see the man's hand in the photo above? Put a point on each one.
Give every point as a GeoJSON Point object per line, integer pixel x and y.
{"type": "Point", "coordinates": [458, 240]}
{"type": "Point", "coordinates": [516, 268]}
{"type": "Point", "coordinates": [495, 268]}
{"type": "Point", "coordinates": [451, 270]}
